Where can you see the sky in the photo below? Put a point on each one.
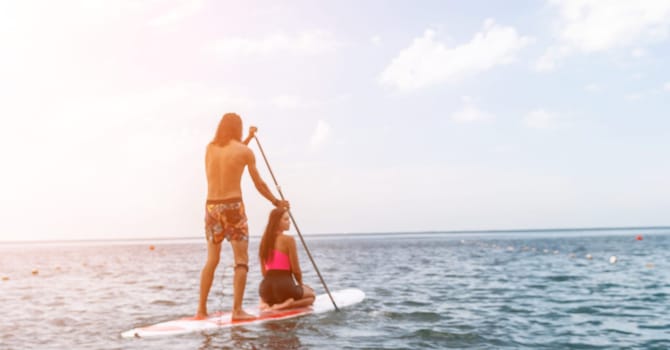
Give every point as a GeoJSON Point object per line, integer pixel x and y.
{"type": "Point", "coordinates": [376, 116]}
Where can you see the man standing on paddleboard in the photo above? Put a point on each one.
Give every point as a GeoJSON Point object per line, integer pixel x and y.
{"type": "Point", "coordinates": [225, 160]}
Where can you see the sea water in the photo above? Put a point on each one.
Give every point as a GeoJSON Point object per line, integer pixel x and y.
{"type": "Point", "coordinates": [513, 290]}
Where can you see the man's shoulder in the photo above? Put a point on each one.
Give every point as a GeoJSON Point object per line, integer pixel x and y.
{"type": "Point", "coordinates": [241, 145]}
{"type": "Point", "coordinates": [243, 150]}
{"type": "Point", "coordinates": [232, 145]}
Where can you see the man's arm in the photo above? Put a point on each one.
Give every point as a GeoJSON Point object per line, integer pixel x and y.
{"type": "Point", "coordinates": [252, 133]}
{"type": "Point", "coordinates": [261, 186]}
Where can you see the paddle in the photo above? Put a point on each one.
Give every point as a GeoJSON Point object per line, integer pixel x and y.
{"type": "Point", "coordinates": [295, 224]}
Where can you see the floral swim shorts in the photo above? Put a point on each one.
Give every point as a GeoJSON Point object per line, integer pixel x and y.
{"type": "Point", "coordinates": [226, 219]}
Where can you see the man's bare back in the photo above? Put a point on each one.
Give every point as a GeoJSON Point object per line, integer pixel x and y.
{"type": "Point", "coordinates": [225, 166]}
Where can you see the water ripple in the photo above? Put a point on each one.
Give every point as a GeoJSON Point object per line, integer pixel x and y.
{"type": "Point", "coordinates": [432, 292]}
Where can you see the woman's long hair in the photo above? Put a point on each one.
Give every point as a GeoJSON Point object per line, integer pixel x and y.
{"type": "Point", "coordinates": [230, 128]}
{"type": "Point", "coordinates": [270, 234]}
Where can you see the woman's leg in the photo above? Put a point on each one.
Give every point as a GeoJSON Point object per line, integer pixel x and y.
{"type": "Point", "coordinates": [306, 300]}
{"type": "Point", "coordinates": [307, 291]}
{"type": "Point", "coordinates": [286, 304]}
{"type": "Point", "coordinates": [262, 305]}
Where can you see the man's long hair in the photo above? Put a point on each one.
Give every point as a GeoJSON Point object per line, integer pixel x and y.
{"type": "Point", "coordinates": [270, 235]}
{"type": "Point", "coordinates": [230, 128]}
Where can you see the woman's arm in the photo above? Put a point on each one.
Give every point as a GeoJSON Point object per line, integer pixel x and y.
{"type": "Point", "coordinates": [262, 268]}
{"type": "Point", "coordinates": [293, 257]}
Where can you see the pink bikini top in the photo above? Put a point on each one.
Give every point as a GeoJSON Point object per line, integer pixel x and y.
{"type": "Point", "coordinates": [278, 261]}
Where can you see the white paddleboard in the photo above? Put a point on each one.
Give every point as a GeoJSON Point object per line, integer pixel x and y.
{"type": "Point", "coordinates": [343, 298]}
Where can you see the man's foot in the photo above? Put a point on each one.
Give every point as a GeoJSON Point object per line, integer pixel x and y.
{"type": "Point", "coordinates": [200, 316]}
{"type": "Point", "coordinates": [241, 315]}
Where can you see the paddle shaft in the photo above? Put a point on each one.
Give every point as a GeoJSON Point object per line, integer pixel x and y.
{"type": "Point", "coordinates": [304, 244]}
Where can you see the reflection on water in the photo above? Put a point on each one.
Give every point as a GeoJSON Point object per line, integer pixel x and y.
{"type": "Point", "coordinates": [273, 335]}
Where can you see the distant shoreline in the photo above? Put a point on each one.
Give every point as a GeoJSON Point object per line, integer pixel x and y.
{"type": "Point", "coordinates": [356, 234]}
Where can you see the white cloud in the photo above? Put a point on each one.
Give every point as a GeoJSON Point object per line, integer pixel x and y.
{"type": "Point", "coordinates": [306, 43]}
{"type": "Point", "coordinates": [541, 119]}
{"type": "Point", "coordinates": [376, 40]}
{"type": "Point", "coordinates": [320, 135]}
{"type": "Point", "coordinates": [592, 26]}
{"type": "Point", "coordinates": [470, 113]}
{"type": "Point", "coordinates": [183, 9]}
{"type": "Point", "coordinates": [634, 96]}
{"type": "Point", "coordinates": [429, 62]}
{"type": "Point", "coordinates": [666, 86]}
{"type": "Point", "coordinates": [549, 61]}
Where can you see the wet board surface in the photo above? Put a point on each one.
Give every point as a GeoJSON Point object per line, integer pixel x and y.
{"type": "Point", "coordinates": [343, 298]}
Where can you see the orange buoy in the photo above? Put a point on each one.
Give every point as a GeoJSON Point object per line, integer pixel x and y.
{"type": "Point", "coordinates": [638, 237]}
{"type": "Point", "coordinates": [5, 278]}
{"type": "Point", "coordinates": [151, 247]}
{"type": "Point", "coordinates": [35, 272]}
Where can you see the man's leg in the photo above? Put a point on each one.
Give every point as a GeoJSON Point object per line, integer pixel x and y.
{"type": "Point", "coordinates": [240, 252]}
{"type": "Point", "coordinates": [207, 276]}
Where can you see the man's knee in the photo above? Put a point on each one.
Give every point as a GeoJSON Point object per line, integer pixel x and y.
{"type": "Point", "coordinates": [212, 263]}
{"type": "Point", "coordinates": [213, 254]}
{"type": "Point", "coordinates": [239, 267]}
{"type": "Point", "coordinates": [213, 259]}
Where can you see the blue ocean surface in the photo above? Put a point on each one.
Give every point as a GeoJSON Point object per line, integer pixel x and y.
{"type": "Point", "coordinates": [512, 290]}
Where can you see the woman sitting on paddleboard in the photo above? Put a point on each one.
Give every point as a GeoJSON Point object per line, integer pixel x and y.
{"type": "Point", "coordinates": [279, 264]}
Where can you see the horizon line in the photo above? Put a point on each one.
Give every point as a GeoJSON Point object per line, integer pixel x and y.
{"type": "Point", "coordinates": [526, 230]}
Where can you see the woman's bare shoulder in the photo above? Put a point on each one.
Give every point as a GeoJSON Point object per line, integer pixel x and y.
{"type": "Point", "coordinates": [285, 240]}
